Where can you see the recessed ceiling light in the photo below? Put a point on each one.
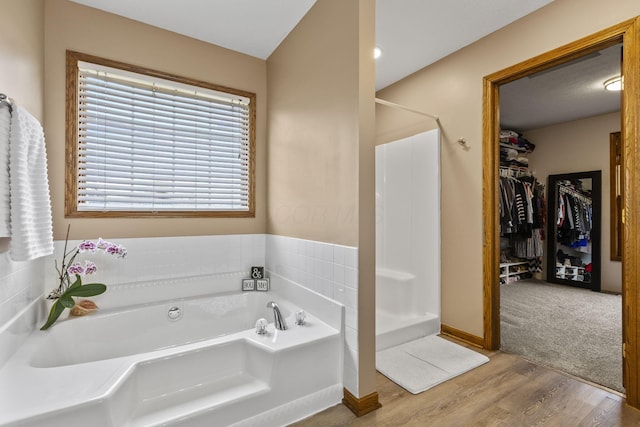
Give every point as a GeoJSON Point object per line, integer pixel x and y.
{"type": "Point", "coordinates": [377, 52]}
{"type": "Point", "coordinates": [613, 84]}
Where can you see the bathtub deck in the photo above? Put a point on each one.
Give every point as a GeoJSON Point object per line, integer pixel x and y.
{"type": "Point", "coordinates": [189, 385]}
{"type": "Point", "coordinates": [239, 377]}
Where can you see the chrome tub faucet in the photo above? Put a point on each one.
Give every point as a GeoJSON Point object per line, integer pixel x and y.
{"type": "Point", "coordinates": [279, 320]}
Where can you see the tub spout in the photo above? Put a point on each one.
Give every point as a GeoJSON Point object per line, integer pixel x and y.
{"type": "Point", "coordinates": [279, 320]}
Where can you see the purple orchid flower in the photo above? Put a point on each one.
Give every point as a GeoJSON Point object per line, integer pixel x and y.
{"type": "Point", "coordinates": [89, 267]}
{"type": "Point", "coordinates": [87, 246]}
{"type": "Point", "coordinates": [75, 268]}
{"type": "Point", "coordinates": [114, 249]}
{"type": "Point", "coordinates": [103, 244]}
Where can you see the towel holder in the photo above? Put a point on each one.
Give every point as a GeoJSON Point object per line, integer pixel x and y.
{"type": "Point", "coordinates": [5, 100]}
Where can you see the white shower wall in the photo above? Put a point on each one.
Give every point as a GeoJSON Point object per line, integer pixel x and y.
{"type": "Point", "coordinates": [408, 225]}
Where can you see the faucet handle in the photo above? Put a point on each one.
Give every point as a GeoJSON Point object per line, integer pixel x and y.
{"type": "Point", "coordinates": [261, 326]}
{"type": "Point", "coordinates": [300, 317]}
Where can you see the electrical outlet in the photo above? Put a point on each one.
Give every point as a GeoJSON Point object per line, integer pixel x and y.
{"type": "Point", "coordinates": [262, 284]}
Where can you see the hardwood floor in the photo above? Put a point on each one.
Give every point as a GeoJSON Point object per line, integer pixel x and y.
{"type": "Point", "coordinates": [508, 391]}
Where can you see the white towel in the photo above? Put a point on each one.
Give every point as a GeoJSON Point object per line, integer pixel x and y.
{"type": "Point", "coordinates": [5, 123]}
{"type": "Point", "coordinates": [31, 224]}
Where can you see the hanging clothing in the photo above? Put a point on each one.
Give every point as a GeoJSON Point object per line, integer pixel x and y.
{"type": "Point", "coordinates": [577, 211]}
{"type": "Point", "coordinates": [521, 205]}
{"type": "Point", "coordinates": [522, 215]}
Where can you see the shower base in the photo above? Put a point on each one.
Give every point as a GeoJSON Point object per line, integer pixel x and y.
{"type": "Point", "coordinates": [393, 330]}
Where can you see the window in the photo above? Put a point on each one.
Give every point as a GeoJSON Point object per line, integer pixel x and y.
{"type": "Point", "coordinates": [146, 143]}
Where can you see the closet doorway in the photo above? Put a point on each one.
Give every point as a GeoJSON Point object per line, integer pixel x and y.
{"type": "Point", "coordinates": [627, 33]}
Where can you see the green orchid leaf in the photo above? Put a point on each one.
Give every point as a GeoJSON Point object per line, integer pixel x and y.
{"type": "Point", "coordinates": [87, 290]}
{"type": "Point", "coordinates": [56, 311]}
{"type": "Point", "coordinates": [67, 301]}
{"type": "Point", "coordinates": [77, 283]}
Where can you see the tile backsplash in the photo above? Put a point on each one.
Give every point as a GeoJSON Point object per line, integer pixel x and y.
{"type": "Point", "coordinates": [170, 257]}
{"type": "Point", "coordinates": [330, 270]}
{"type": "Point", "coordinates": [20, 284]}
{"type": "Point", "coordinates": [322, 267]}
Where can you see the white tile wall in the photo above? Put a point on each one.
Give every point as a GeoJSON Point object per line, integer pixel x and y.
{"type": "Point", "coordinates": [322, 267]}
{"type": "Point", "coordinates": [330, 270]}
{"type": "Point", "coordinates": [170, 257]}
{"type": "Point", "coordinates": [20, 284]}
{"type": "Point", "coordinates": [147, 259]}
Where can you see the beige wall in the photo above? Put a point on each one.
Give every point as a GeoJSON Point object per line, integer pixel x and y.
{"type": "Point", "coordinates": [367, 202]}
{"type": "Point", "coordinates": [72, 26]}
{"type": "Point", "coordinates": [21, 78]}
{"type": "Point", "coordinates": [313, 128]}
{"type": "Point", "coordinates": [452, 88]}
{"type": "Point", "coordinates": [321, 144]}
{"type": "Point", "coordinates": [581, 146]}
{"type": "Point", "coordinates": [22, 53]}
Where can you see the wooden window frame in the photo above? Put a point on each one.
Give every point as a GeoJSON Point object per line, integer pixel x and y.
{"type": "Point", "coordinates": [71, 144]}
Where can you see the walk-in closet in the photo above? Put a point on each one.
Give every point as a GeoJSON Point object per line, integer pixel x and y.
{"type": "Point", "coordinates": [522, 211]}
{"type": "Point", "coordinates": [560, 284]}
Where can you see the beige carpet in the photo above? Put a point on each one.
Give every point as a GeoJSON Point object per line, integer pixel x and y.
{"type": "Point", "coordinates": [574, 330]}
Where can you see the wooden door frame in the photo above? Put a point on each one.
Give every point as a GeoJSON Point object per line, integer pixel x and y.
{"type": "Point", "coordinates": [628, 33]}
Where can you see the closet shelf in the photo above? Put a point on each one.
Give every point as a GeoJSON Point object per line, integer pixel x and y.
{"type": "Point", "coordinates": [509, 270]}
{"type": "Point", "coordinates": [513, 147]}
{"type": "Point", "coordinates": [568, 272]}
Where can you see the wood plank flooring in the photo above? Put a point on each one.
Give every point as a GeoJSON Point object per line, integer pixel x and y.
{"type": "Point", "coordinates": [508, 392]}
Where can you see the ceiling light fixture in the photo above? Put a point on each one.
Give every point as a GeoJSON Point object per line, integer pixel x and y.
{"type": "Point", "coordinates": [613, 84]}
{"type": "Point", "coordinates": [377, 52]}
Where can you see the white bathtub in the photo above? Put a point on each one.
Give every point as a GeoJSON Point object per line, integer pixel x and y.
{"type": "Point", "coordinates": [133, 366]}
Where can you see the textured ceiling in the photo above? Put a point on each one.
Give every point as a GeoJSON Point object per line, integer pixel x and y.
{"type": "Point", "coordinates": [567, 92]}
{"type": "Point", "coordinates": [411, 33]}
{"type": "Point", "coordinates": [415, 33]}
{"type": "Point", "coordinates": [254, 27]}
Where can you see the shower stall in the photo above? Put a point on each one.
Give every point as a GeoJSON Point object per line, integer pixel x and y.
{"type": "Point", "coordinates": [407, 239]}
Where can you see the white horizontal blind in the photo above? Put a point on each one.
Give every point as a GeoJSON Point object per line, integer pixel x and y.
{"type": "Point", "coordinates": [155, 146]}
